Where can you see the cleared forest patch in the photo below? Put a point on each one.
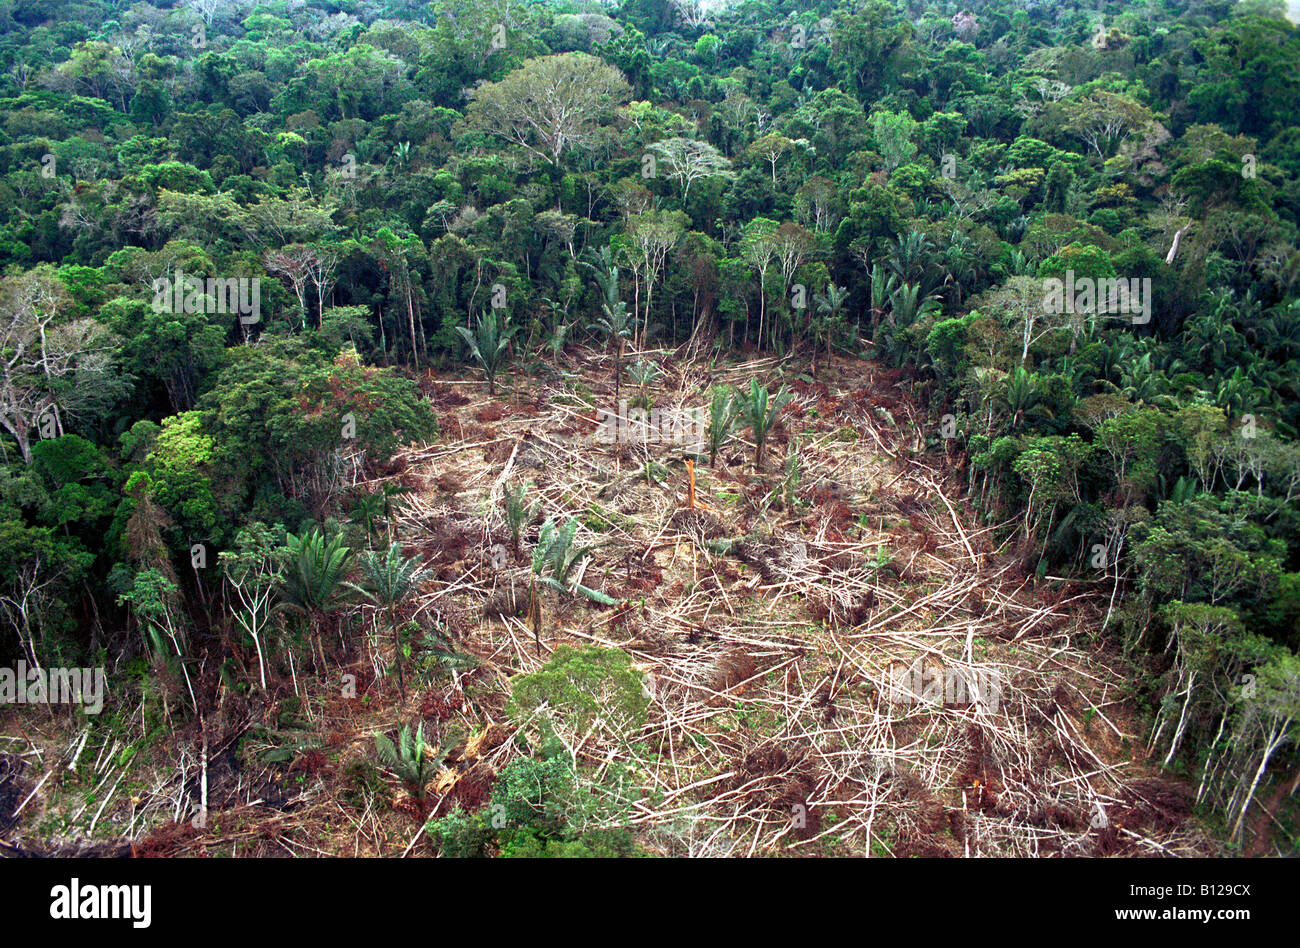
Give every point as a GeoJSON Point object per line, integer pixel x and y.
{"type": "Point", "coordinates": [836, 656]}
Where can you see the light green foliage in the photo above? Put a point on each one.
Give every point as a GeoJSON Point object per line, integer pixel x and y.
{"type": "Point", "coordinates": [390, 578]}
{"type": "Point", "coordinates": [579, 685]}
{"type": "Point", "coordinates": [315, 571]}
{"type": "Point", "coordinates": [519, 511]}
{"type": "Point", "coordinates": [893, 132]}
{"type": "Point", "coordinates": [724, 409]}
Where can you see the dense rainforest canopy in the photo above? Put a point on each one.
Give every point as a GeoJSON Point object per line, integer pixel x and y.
{"type": "Point", "coordinates": [236, 235]}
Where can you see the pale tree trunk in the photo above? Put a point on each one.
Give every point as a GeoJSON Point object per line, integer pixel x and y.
{"type": "Point", "coordinates": [1275, 738]}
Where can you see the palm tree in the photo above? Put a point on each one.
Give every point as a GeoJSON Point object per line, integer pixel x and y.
{"type": "Point", "coordinates": [605, 271]}
{"type": "Point", "coordinates": [555, 549]}
{"type": "Point", "coordinates": [615, 324]}
{"type": "Point", "coordinates": [559, 328]}
{"type": "Point", "coordinates": [412, 760]}
{"type": "Point", "coordinates": [368, 512]}
{"type": "Point", "coordinates": [1024, 396]}
{"type": "Point", "coordinates": [1279, 331]}
{"type": "Point", "coordinates": [644, 374]}
{"type": "Point", "coordinates": [1141, 381]}
{"type": "Point", "coordinates": [907, 305]}
{"type": "Point", "coordinates": [882, 289]}
{"type": "Point", "coordinates": [487, 344]}
{"type": "Point", "coordinates": [961, 260]}
{"type": "Point", "coordinates": [518, 511]}
{"type": "Point", "coordinates": [315, 576]}
{"type": "Point", "coordinates": [1238, 393]}
{"type": "Point", "coordinates": [759, 409]}
{"type": "Point", "coordinates": [909, 258]}
{"type": "Point", "coordinates": [723, 410]}
{"type": "Point", "coordinates": [390, 579]}
{"type": "Point", "coordinates": [828, 308]}
{"type": "Point", "coordinates": [401, 154]}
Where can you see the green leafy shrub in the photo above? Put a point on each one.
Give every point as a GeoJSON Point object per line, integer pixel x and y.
{"type": "Point", "coordinates": [461, 835]}
{"type": "Point", "coordinates": [579, 685]}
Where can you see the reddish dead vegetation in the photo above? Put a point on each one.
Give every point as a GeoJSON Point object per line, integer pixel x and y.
{"type": "Point", "coordinates": [838, 607]}
{"type": "Point", "coordinates": [581, 425]}
{"type": "Point", "coordinates": [526, 409]}
{"type": "Point", "coordinates": [732, 670]}
{"type": "Point", "coordinates": [977, 775]}
{"type": "Point", "coordinates": [497, 452]}
{"type": "Point", "coordinates": [810, 388]}
{"type": "Point", "coordinates": [1056, 700]}
{"type": "Point", "coordinates": [473, 777]}
{"type": "Point", "coordinates": [445, 545]}
{"type": "Point", "coordinates": [473, 789]}
{"type": "Point", "coordinates": [394, 467]}
{"type": "Point", "coordinates": [490, 413]}
{"type": "Point", "coordinates": [832, 509]}
{"type": "Point", "coordinates": [922, 819]}
{"type": "Point", "coordinates": [639, 575]}
{"type": "Point", "coordinates": [441, 703]}
{"type": "Point", "coordinates": [313, 762]}
{"type": "Point", "coordinates": [442, 395]}
{"type": "Point", "coordinates": [170, 839]}
{"type": "Point", "coordinates": [771, 777]}
{"type": "Point", "coordinates": [1154, 803]}
{"type": "Point", "coordinates": [417, 808]}
{"type": "Point", "coordinates": [365, 685]}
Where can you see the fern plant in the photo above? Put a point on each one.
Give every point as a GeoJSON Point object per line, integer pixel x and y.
{"type": "Point", "coordinates": [555, 550]}
{"type": "Point", "coordinates": [411, 759]}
